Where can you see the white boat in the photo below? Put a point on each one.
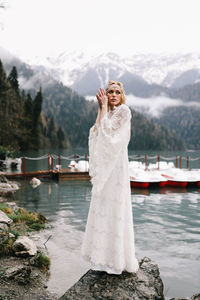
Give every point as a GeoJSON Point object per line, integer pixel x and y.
{"type": "Point", "coordinates": [81, 166]}
{"type": "Point", "coordinates": [140, 178]}
{"type": "Point", "coordinates": [162, 174]}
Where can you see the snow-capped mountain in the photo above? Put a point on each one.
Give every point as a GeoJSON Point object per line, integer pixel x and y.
{"type": "Point", "coordinates": [143, 75]}
{"type": "Point", "coordinates": [85, 72]}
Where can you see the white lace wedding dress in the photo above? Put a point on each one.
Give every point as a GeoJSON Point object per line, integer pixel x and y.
{"type": "Point", "coordinates": [109, 237]}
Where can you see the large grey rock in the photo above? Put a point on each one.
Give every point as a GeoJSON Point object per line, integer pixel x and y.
{"type": "Point", "coordinates": [145, 284]}
{"type": "Point", "coordinates": [4, 218]}
{"type": "Point", "coordinates": [24, 246]}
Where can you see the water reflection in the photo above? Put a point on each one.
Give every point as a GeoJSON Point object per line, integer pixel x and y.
{"type": "Point", "coordinates": [167, 229]}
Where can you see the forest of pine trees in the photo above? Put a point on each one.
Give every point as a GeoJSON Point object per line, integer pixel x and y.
{"type": "Point", "coordinates": [58, 117]}
{"type": "Point", "coordinates": [22, 123]}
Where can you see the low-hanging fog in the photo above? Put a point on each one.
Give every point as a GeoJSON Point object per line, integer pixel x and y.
{"type": "Point", "coordinates": [154, 106]}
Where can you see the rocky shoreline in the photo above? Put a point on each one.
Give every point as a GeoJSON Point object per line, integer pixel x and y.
{"type": "Point", "coordinates": [23, 267]}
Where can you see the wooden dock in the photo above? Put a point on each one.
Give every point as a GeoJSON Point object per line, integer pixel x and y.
{"type": "Point", "coordinates": [63, 174]}
{"type": "Point", "coordinates": [67, 174]}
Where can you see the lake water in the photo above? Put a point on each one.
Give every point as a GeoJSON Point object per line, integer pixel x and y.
{"type": "Point", "coordinates": [167, 229]}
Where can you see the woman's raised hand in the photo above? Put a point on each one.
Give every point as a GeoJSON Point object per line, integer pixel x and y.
{"type": "Point", "coordinates": [102, 98]}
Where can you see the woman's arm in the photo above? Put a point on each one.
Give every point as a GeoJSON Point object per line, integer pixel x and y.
{"type": "Point", "coordinates": [103, 103]}
{"type": "Point", "coordinates": [97, 119]}
{"type": "Point", "coordinates": [103, 106]}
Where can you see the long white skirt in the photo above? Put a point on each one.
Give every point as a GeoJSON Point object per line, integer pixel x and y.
{"type": "Point", "coordinates": [108, 242]}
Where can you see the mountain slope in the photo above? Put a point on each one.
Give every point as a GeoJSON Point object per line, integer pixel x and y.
{"type": "Point", "coordinates": [189, 93]}
{"type": "Point", "coordinates": [160, 69]}
{"type": "Point", "coordinates": [76, 115]}
{"type": "Point", "coordinates": [185, 122]}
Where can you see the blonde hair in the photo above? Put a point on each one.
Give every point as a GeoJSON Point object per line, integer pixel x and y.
{"type": "Point", "coordinates": [112, 82]}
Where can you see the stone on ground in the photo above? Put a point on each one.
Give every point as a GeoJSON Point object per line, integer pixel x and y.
{"type": "Point", "coordinates": [24, 246]}
{"type": "Point", "coordinates": [145, 284]}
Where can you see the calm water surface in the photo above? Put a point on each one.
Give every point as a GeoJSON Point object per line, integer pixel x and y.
{"type": "Point", "coordinates": [167, 229]}
{"type": "Point", "coordinates": [167, 225]}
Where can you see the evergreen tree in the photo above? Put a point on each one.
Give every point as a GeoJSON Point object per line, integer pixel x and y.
{"type": "Point", "coordinates": [4, 84]}
{"type": "Point", "coordinates": [52, 133]}
{"type": "Point", "coordinates": [13, 79]}
{"type": "Point", "coordinates": [23, 125]}
{"type": "Point", "coordinates": [37, 107]}
{"type": "Point", "coordinates": [29, 106]}
{"type": "Point", "coordinates": [61, 137]}
{"type": "Point", "coordinates": [11, 113]}
{"type": "Point", "coordinates": [51, 128]}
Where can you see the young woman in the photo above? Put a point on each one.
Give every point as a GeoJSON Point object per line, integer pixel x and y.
{"type": "Point", "coordinates": [109, 237]}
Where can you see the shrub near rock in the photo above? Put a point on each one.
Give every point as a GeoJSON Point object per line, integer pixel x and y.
{"type": "Point", "coordinates": [23, 269]}
{"type": "Point", "coordinates": [14, 224]}
{"type": "Point", "coordinates": [24, 219]}
{"type": "Point", "coordinates": [41, 261]}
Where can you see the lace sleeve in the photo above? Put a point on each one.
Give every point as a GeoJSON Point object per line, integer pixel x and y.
{"type": "Point", "coordinates": [116, 124]}
{"type": "Point", "coordinates": [93, 136]}
{"type": "Point", "coordinates": [113, 136]}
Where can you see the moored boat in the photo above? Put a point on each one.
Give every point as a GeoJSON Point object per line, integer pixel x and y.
{"type": "Point", "coordinates": [193, 177]}
{"type": "Point", "coordinates": [135, 183]}
{"type": "Point", "coordinates": [161, 175]}
{"type": "Point", "coordinates": [139, 178]}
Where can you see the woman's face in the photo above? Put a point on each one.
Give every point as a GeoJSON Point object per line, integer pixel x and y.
{"type": "Point", "coordinates": [114, 96]}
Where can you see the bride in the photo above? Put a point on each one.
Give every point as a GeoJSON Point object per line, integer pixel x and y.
{"type": "Point", "coordinates": [108, 242]}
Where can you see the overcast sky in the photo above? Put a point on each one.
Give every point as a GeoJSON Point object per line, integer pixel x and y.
{"type": "Point", "coordinates": [47, 27]}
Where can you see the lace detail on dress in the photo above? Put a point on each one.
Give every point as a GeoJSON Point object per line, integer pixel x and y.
{"type": "Point", "coordinates": [105, 145]}
{"type": "Point", "coordinates": [109, 237]}
{"type": "Point", "coordinates": [114, 121]}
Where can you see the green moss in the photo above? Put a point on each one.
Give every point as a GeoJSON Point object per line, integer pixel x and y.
{"type": "Point", "coordinates": [8, 151]}
{"type": "Point", "coordinates": [16, 234]}
{"type": "Point", "coordinates": [2, 273]}
{"type": "Point", "coordinates": [23, 221]}
{"type": "Point", "coordinates": [7, 210]}
{"type": "Point", "coordinates": [33, 221]}
{"type": "Point", "coordinates": [6, 247]}
{"type": "Point", "coordinates": [42, 261]}
{"type": "Point", "coordinates": [3, 206]}
{"type": "Point", "coordinates": [37, 226]}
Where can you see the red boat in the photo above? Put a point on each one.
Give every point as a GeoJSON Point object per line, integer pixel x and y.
{"type": "Point", "coordinates": [174, 182]}
{"type": "Point", "coordinates": [137, 184]}
{"type": "Point", "coordinates": [158, 184]}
